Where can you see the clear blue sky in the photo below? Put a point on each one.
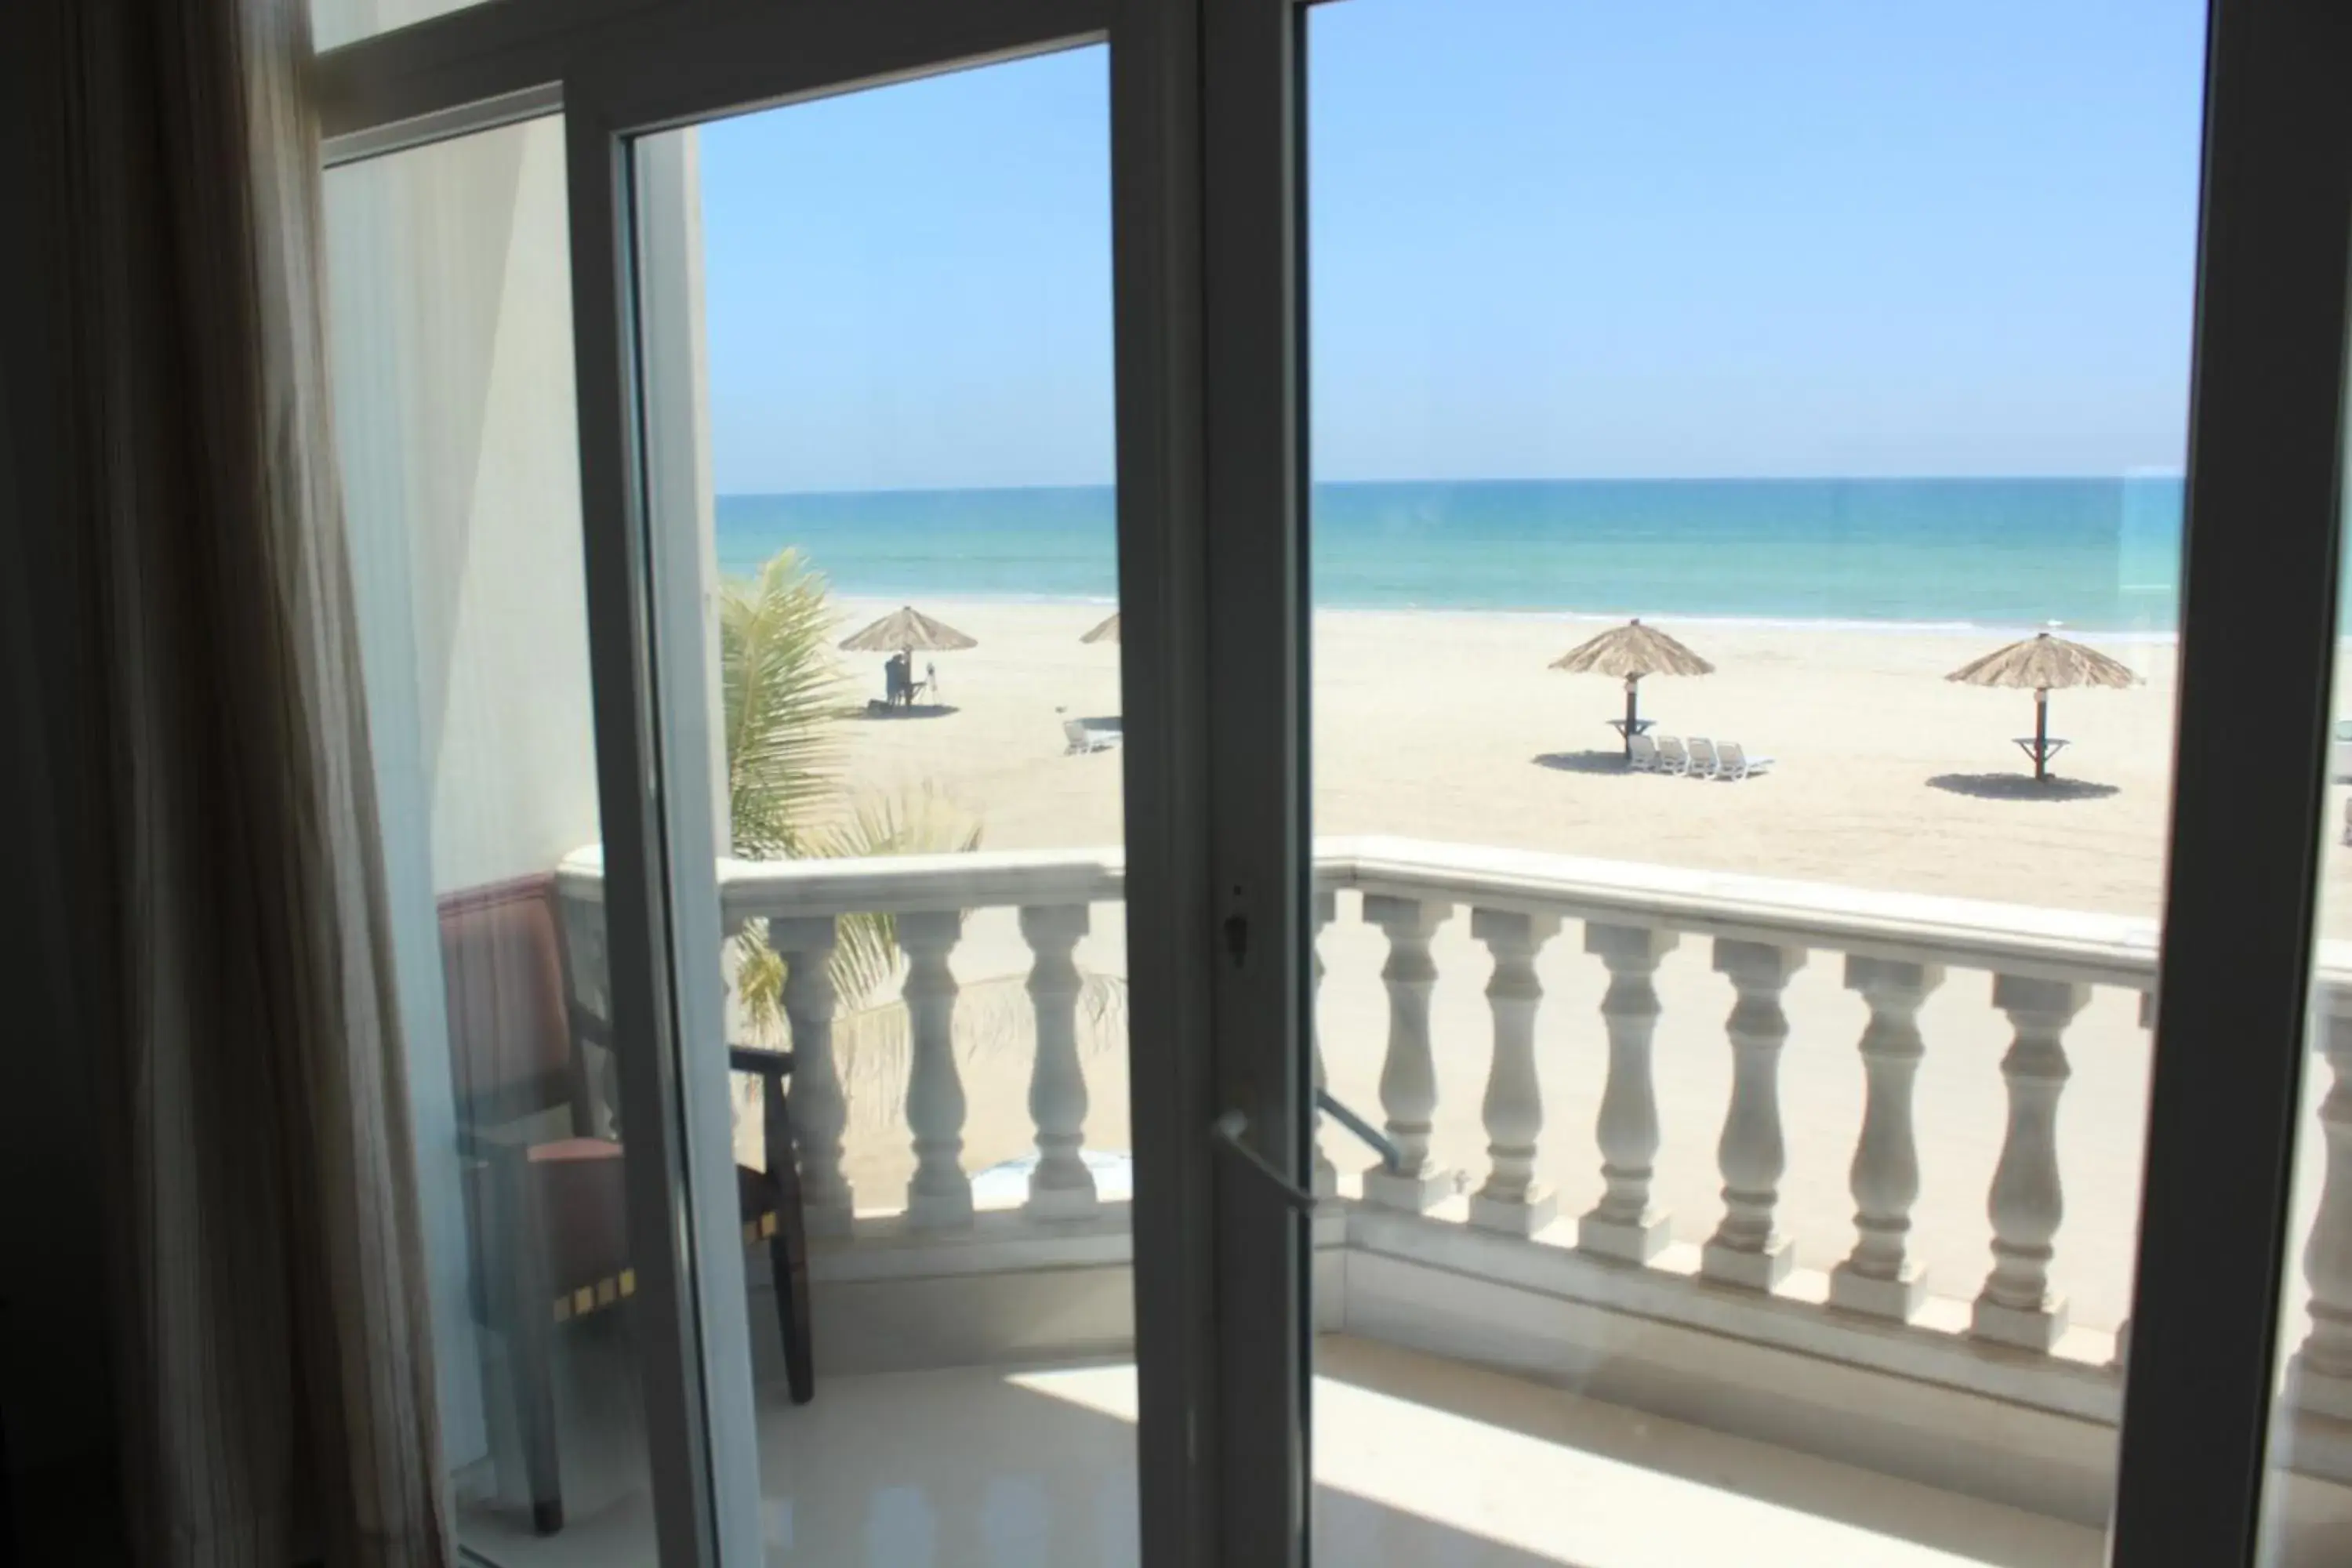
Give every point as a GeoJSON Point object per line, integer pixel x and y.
{"type": "Point", "coordinates": [1547, 237]}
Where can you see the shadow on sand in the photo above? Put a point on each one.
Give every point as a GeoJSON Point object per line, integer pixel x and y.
{"type": "Point", "coordinates": [880, 710]}
{"type": "Point", "coordinates": [2021, 787]}
{"type": "Point", "coordinates": [1584, 762]}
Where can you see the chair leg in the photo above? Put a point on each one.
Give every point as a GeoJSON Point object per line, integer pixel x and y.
{"type": "Point", "coordinates": [529, 1314]}
{"type": "Point", "coordinates": [788, 1261]}
{"type": "Point", "coordinates": [534, 1392]}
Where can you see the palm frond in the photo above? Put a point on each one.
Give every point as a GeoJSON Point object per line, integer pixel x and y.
{"type": "Point", "coordinates": [921, 821]}
{"type": "Point", "coordinates": [783, 690]}
{"type": "Point", "coordinates": [783, 693]}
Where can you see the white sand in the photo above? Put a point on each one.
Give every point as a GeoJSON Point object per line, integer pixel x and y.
{"type": "Point", "coordinates": [1450, 726]}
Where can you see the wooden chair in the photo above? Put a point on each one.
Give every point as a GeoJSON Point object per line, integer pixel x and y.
{"type": "Point", "coordinates": [543, 1181]}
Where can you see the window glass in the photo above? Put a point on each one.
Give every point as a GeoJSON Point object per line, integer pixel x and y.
{"type": "Point", "coordinates": [1747, 451]}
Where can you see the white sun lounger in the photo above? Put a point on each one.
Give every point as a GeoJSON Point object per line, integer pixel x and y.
{"type": "Point", "coordinates": [1081, 739]}
{"type": "Point", "coordinates": [1702, 758]}
{"type": "Point", "coordinates": [1733, 762]}
{"type": "Point", "coordinates": [1672, 758]}
{"type": "Point", "coordinates": [1642, 754]}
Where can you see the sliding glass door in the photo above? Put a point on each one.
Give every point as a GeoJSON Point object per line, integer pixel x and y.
{"type": "Point", "coordinates": [1651, 898]}
{"type": "Point", "coordinates": [1757, 1121]}
{"type": "Point", "coordinates": [857, 393]}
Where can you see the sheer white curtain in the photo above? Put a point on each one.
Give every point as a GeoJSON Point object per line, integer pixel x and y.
{"type": "Point", "coordinates": [275, 1378]}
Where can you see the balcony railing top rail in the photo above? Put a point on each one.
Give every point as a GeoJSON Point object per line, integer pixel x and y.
{"type": "Point", "coordinates": [2015, 939]}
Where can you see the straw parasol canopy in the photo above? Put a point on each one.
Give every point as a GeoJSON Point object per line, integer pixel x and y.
{"type": "Point", "coordinates": [1629, 652]}
{"type": "Point", "coordinates": [2040, 664]}
{"type": "Point", "coordinates": [1107, 632]}
{"type": "Point", "coordinates": [907, 630]}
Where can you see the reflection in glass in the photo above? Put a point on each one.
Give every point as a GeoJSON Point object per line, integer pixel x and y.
{"type": "Point", "coordinates": [449, 292]}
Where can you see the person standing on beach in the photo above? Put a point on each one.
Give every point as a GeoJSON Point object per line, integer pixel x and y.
{"type": "Point", "coordinates": [932, 678]}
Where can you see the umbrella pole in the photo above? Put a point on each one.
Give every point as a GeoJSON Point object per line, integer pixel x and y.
{"type": "Point", "coordinates": [1633, 712]}
{"type": "Point", "coordinates": [2042, 734]}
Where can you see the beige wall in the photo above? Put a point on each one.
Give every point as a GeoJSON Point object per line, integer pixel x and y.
{"type": "Point", "coordinates": [456, 416]}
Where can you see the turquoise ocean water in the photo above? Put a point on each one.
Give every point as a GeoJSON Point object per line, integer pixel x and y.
{"type": "Point", "coordinates": [2091, 553]}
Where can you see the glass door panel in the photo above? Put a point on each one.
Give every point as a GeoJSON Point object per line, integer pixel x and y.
{"type": "Point", "coordinates": [2306, 1502]}
{"type": "Point", "coordinates": [875, 344]}
{"type": "Point", "coordinates": [1747, 508]}
{"type": "Point", "coordinates": [2308, 1489]}
{"type": "Point", "coordinates": [451, 318]}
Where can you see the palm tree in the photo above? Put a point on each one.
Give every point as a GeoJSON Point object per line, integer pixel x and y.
{"type": "Point", "coordinates": [786, 795]}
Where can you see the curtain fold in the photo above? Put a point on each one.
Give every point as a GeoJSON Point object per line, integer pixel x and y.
{"type": "Point", "coordinates": [274, 1347]}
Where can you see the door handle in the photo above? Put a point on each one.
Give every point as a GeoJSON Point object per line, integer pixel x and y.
{"type": "Point", "coordinates": [1231, 1132]}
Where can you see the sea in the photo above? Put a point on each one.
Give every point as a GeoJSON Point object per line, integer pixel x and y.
{"type": "Point", "coordinates": [2092, 554]}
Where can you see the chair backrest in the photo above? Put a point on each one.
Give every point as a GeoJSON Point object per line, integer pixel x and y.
{"type": "Point", "coordinates": [1733, 757]}
{"type": "Point", "coordinates": [1641, 752]}
{"type": "Point", "coordinates": [1076, 732]}
{"type": "Point", "coordinates": [511, 1053]}
{"type": "Point", "coordinates": [1702, 754]}
{"type": "Point", "coordinates": [1670, 750]}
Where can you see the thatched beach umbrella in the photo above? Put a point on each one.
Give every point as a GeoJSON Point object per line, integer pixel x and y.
{"type": "Point", "coordinates": [2040, 664]}
{"type": "Point", "coordinates": [1107, 632]}
{"type": "Point", "coordinates": [909, 631]}
{"type": "Point", "coordinates": [1629, 652]}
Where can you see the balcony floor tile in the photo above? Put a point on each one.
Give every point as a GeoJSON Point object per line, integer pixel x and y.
{"type": "Point", "coordinates": [1419, 1461]}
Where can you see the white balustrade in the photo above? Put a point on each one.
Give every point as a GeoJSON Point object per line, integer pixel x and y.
{"type": "Point", "coordinates": [819, 1111]}
{"type": "Point", "coordinates": [1626, 1225]}
{"type": "Point", "coordinates": [1409, 1071]}
{"type": "Point", "coordinates": [2123, 1329]}
{"type": "Point", "coordinates": [2322, 1365]}
{"type": "Point", "coordinates": [1747, 1249]}
{"type": "Point", "coordinates": [2017, 1306]}
{"type": "Point", "coordinates": [939, 1196]}
{"type": "Point", "coordinates": [1879, 1276]}
{"type": "Point", "coordinates": [1513, 1110]}
{"type": "Point", "coordinates": [1895, 951]}
{"type": "Point", "coordinates": [1060, 1187]}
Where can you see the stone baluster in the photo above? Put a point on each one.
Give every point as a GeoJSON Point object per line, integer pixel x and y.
{"type": "Point", "coordinates": [1623, 1225]}
{"type": "Point", "coordinates": [939, 1194]}
{"type": "Point", "coordinates": [1060, 1187]}
{"type": "Point", "coordinates": [2124, 1328]}
{"type": "Point", "coordinates": [1879, 1276]}
{"type": "Point", "coordinates": [2321, 1372]}
{"type": "Point", "coordinates": [819, 1111]}
{"type": "Point", "coordinates": [1326, 1174]}
{"type": "Point", "coordinates": [2017, 1306]}
{"type": "Point", "coordinates": [1511, 1201]}
{"type": "Point", "coordinates": [1747, 1248]}
{"type": "Point", "coordinates": [1409, 1072]}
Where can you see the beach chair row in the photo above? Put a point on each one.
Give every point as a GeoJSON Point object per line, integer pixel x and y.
{"type": "Point", "coordinates": [1696, 758]}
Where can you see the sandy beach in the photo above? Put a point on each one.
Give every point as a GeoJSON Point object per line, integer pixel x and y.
{"type": "Point", "coordinates": [1450, 726]}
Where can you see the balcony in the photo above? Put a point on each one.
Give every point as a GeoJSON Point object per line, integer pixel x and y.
{"type": "Point", "coordinates": [1816, 1200]}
